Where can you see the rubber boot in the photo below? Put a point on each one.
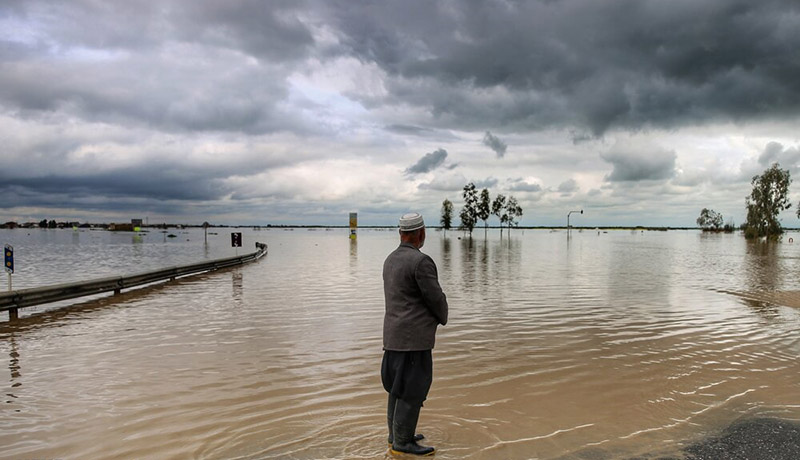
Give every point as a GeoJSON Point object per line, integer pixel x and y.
{"type": "Point", "coordinates": [390, 418]}
{"type": "Point", "coordinates": [404, 425]}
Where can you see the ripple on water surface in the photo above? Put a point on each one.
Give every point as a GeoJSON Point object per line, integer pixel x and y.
{"type": "Point", "coordinates": [612, 345]}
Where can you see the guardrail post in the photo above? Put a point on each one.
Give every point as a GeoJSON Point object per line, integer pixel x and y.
{"type": "Point", "coordinates": [13, 314]}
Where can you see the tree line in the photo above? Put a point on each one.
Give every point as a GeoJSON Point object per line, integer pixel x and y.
{"type": "Point", "coordinates": [480, 207]}
{"type": "Point", "coordinates": [770, 196]}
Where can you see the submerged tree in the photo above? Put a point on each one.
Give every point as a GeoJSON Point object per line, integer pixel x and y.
{"type": "Point", "coordinates": [766, 201]}
{"type": "Point", "coordinates": [499, 210]}
{"type": "Point", "coordinates": [469, 213]}
{"type": "Point", "coordinates": [513, 210]}
{"type": "Point", "coordinates": [447, 215]}
{"type": "Point", "coordinates": [484, 209]}
{"type": "Point", "coordinates": [710, 219]}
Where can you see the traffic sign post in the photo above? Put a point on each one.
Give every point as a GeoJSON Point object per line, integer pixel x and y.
{"type": "Point", "coordinates": [8, 262]}
{"type": "Point", "coordinates": [236, 241]}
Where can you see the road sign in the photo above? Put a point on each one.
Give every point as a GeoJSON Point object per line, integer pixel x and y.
{"type": "Point", "coordinates": [353, 224]}
{"type": "Point", "coordinates": [236, 240]}
{"type": "Point", "coordinates": [9, 258]}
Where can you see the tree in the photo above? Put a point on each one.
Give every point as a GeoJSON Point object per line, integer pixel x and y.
{"type": "Point", "coordinates": [513, 210]}
{"type": "Point", "coordinates": [484, 209]}
{"type": "Point", "coordinates": [499, 210]}
{"type": "Point", "coordinates": [52, 224]}
{"type": "Point", "coordinates": [766, 201]}
{"type": "Point", "coordinates": [43, 223]}
{"type": "Point", "coordinates": [447, 215]}
{"type": "Point", "coordinates": [710, 219]}
{"type": "Point", "coordinates": [469, 213]}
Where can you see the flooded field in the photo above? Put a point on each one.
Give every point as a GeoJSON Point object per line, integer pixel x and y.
{"type": "Point", "coordinates": [601, 345]}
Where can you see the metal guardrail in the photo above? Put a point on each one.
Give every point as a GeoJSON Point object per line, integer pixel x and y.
{"type": "Point", "coordinates": [11, 301]}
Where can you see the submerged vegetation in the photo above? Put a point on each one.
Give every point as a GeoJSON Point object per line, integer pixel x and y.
{"type": "Point", "coordinates": [481, 207]}
{"type": "Point", "coordinates": [766, 201]}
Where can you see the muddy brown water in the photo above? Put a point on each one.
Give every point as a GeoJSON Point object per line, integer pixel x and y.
{"type": "Point", "coordinates": [601, 345]}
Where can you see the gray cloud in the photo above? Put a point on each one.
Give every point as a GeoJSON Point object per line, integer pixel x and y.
{"type": "Point", "coordinates": [520, 185]}
{"type": "Point", "coordinates": [592, 65]}
{"type": "Point", "coordinates": [207, 67]}
{"type": "Point", "coordinates": [637, 163]}
{"type": "Point", "coordinates": [568, 186]}
{"type": "Point", "coordinates": [428, 162]}
{"type": "Point", "coordinates": [409, 130]}
{"type": "Point", "coordinates": [774, 152]}
{"type": "Point", "coordinates": [486, 183]}
{"type": "Point", "coordinates": [526, 65]}
{"type": "Point", "coordinates": [451, 182]}
{"type": "Point", "coordinates": [93, 96]}
{"type": "Point", "coordinates": [585, 65]}
{"type": "Point", "coordinates": [143, 183]}
{"type": "Point", "coordinates": [494, 143]}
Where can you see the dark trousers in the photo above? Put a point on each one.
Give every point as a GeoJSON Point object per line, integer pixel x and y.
{"type": "Point", "coordinates": [407, 375]}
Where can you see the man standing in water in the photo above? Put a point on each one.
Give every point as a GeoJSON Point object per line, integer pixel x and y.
{"type": "Point", "coordinates": [415, 306]}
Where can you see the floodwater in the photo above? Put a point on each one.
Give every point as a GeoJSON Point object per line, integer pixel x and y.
{"type": "Point", "coordinates": [601, 345]}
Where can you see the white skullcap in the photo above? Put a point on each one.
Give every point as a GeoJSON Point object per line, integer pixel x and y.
{"type": "Point", "coordinates": [411, 221]}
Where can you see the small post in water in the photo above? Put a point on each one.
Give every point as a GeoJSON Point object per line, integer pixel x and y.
{"type": "Point", "coordinates": [353, 225]}
{"type": "Point", "coordinates": [8, 257]}
{"type": "Point", "coordinates": [236, 241]}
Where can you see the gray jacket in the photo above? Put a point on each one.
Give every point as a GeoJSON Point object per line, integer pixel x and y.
{"type": "Point", "coordinates": [415, 303]}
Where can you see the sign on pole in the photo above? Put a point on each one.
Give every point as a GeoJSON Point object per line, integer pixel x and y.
{"type": "Point", "coordinates": [9, 258]}
{"type": "Point", "coordinates": [353, 224]}
{"type": "Point", "coordinates": [236, 240]}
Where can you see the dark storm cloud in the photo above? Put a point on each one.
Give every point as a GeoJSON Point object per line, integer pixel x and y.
{"type": "Point", "coordinates": [171, 66]}
{"type": "Point", "coordinates": [147, 93]}
{"type": "Point", "coordinates": [409, 129]}
{"type": "Point", "coordinates": [74, 75]}
{"type": "Point", "coordinates": [633, 164]}
{"type": "Point", "coordinates": [585, 64]}
{"type": "Point", "coordinates": [165, 185]}
{"type": "Point", "coordinates": [24, 196]}
{"type": "Point", "coordinates": [268, 30]}
{"type": "Point", "coordinates": [422, 132]}
{"type": "Point", "coordinates": [428, 163]}
{"type": "Point", "coordinates": [494, 143]}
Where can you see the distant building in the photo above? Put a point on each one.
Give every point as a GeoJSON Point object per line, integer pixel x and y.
{"type": "Point", "coordinates": [120, 227]}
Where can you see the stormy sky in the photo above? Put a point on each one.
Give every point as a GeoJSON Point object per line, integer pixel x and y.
{"type": "Point", "coordinates": [639, 112]}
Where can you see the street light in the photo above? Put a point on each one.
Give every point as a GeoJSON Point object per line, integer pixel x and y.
{"type": "Point", "coordinates": [581, 211]}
